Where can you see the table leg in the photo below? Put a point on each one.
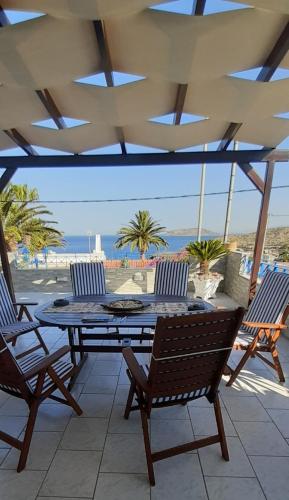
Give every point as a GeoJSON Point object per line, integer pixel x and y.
{"type": "Point", "coordinates": [83, 355]}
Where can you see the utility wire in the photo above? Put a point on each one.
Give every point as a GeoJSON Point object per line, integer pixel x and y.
{"type": "Point", "coordinates": [148, 198]}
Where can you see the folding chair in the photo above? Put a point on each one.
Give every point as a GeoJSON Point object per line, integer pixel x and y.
{"type": "Point", "coordinates": [34, 379]}
{"type": "Point", "coordinates": [188, 357]}
{"type": "Point", "coordinates": [11, 324]}
{"type": "Point", "coordinates": [264, 321]}
{"type": "Point", "coordinates": [171, 278]}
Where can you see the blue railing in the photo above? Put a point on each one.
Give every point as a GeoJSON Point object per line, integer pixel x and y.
{"type": "Point", "coordinates": [247, 264]}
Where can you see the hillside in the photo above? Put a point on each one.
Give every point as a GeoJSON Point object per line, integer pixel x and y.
{"type": "Point", "coordinates": [276, 237]}
{"type": "Point", "coordinates": [190, 231]}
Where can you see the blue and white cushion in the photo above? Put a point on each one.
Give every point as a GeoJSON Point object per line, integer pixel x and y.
{"type": "Point", "coordinates": [88, 278]}
{"type": "Point", "coordinates": [171, 278]}
{"type": "Point", "coordinates": [269, 302]}
{"type": "Point", "coordinates": [7, 311]}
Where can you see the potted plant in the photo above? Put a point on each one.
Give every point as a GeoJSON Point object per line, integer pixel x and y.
{"type": "Point", "coordinates": [205, 252]}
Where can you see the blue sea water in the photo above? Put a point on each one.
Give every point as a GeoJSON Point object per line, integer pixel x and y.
{"type": "Point", "coordinates": [84, 244]}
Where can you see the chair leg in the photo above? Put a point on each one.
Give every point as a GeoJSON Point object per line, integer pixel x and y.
{"type": "Point", "coordinates": [239, 367]}
{"type": "Point", "coordinates": [41, 341]}
{"type": "Point", "coordinates": [129, 400]}
{"type": "Point", "coordinates": [28, 435]}
{"type": "Point", "coordinates": [221, 431]}
{"type": "Point", "coordinates": [144, 421]}
{"type": "Point", "coordinates": [64, 391]}
{"type": "Point", "coordinates": [277, 363]}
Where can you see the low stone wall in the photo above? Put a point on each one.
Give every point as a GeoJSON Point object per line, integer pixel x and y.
{"type": "Point", "coordinates": [58, 280]}
{"type": "Point", "coordinates": [236, 285]}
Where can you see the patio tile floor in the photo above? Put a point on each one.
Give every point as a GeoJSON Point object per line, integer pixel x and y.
{"type": "Point", "coordinates": [101, 456]}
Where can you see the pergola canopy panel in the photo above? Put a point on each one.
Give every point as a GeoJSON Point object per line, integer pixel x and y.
{"type": "Point", "coordinates": [185, 62]}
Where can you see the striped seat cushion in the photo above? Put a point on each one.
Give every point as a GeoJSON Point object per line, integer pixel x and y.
{"type": "Point", "coordinates": [88, 278]}
{"type": "Point", "coordinates": [198, 393]}
{"type": "Point", "coordinates": [245, 339]}
{"type": "Point", "coordinates": [171, 278]}
{"type": "Point", "coordinates": [20, 327]}
{"type": "Point", "coordinates": [270, 301]}
{"type": "Point", "coordinates": [61, 367]}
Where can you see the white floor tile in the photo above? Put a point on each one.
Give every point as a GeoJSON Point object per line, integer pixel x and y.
{"type": "Point", "coordinates": [228, 488]}
{"type": "Point", "coordinates": [262, 438]}
{"type": "Point", "coordinates": [72, 474]}
{"type": "Point", "coordinates": [122, 487]}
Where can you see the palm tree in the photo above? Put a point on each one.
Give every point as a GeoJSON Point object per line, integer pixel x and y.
{"type": "Point", "coordinates": [206, 251]}
{"type": "Point", "coordinates": [141, 232]}
{"type": "Point", "coordinates": [23, 221]}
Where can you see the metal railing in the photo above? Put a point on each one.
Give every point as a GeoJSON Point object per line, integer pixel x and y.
{"type": "Point", "coordinates": [247, 263]}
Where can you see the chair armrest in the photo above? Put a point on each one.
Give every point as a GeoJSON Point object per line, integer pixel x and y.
{"type": "Point", "coordinates": [135, 369]}
{"type": "Point", "coordinates": [270, 326]}
{"type": "Point", "coordinates": [46, 362]}
{"type": "Point", "coordinates": [24, 303]}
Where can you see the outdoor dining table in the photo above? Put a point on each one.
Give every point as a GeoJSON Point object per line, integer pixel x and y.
{"type": "Point", "coordinates": [86, 313]}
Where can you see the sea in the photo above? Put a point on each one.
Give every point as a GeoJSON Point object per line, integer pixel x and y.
{"type": "Point", "coordinates": [86, 244]}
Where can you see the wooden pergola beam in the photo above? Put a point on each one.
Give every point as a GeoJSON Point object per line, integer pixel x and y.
{"type": "Point", "coordinates": [106, 63]}
{"type": "Point", "coordinates": [50, 105]}
{"type": "Point", "coordinates": [144, 159]}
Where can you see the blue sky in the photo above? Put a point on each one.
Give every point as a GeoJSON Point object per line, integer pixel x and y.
{"type": "Point", "coordinates": [101, 183]}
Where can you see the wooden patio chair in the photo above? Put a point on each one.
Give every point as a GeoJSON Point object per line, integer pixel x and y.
{"type": "Point", "coordinates": [11, 323]}
{"type": "Point", "coordinates": [34, 379]}
{"type": "Point", "coordinates": [188, 358]}
{"type": "Point", "coordinates": [171, 278]}
{"type": "Point", "coordinates": [87, 278]}
{"type": "Point", "coordinates": [264, 321]}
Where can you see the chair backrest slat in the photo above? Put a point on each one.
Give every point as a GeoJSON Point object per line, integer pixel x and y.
{"type": "Point", "coordinates": [11, 375]}
{"type": "Point", "coordinates": [7, 311]}
{"type": "Point", "coordinates": [171, 278]}
{"type": "Point", "coordinates": [88, 278]}
{"type": "Point", "coordinates": [270, 301]}
{"type": "Point", "coordinates": [190, 352]}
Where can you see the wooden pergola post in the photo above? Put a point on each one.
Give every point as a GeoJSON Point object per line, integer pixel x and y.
{"type": "Point", "coordinates": [261, 229]}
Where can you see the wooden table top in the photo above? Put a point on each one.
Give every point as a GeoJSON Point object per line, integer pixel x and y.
{"type": "Point", "coordinates": [137, 319]}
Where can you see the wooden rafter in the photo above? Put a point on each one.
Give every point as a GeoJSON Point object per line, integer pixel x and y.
{"type": "Point", "coordinates": [18, 138]}
{"type": "Point", "coordinates": [275, 57]}
{"type": "Point", "coordinates": [198, 10]}
{"type": "Point", "coordinates": [199, 7]}
{"type": "Point", "coordinates": [106, 63]}
{"type": "Point", "coordinates": [253, 176]}
{"type": "Point", "coordinates": [6, 177]}
{"type": "Point", "coordinates": [3, 18]}
{"type": "Point", "coordinates": [270, 65]}
{"type": "Point", "coordinates": [44, 95]}
{"type": "Point", "coordinates": [49, 103]}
